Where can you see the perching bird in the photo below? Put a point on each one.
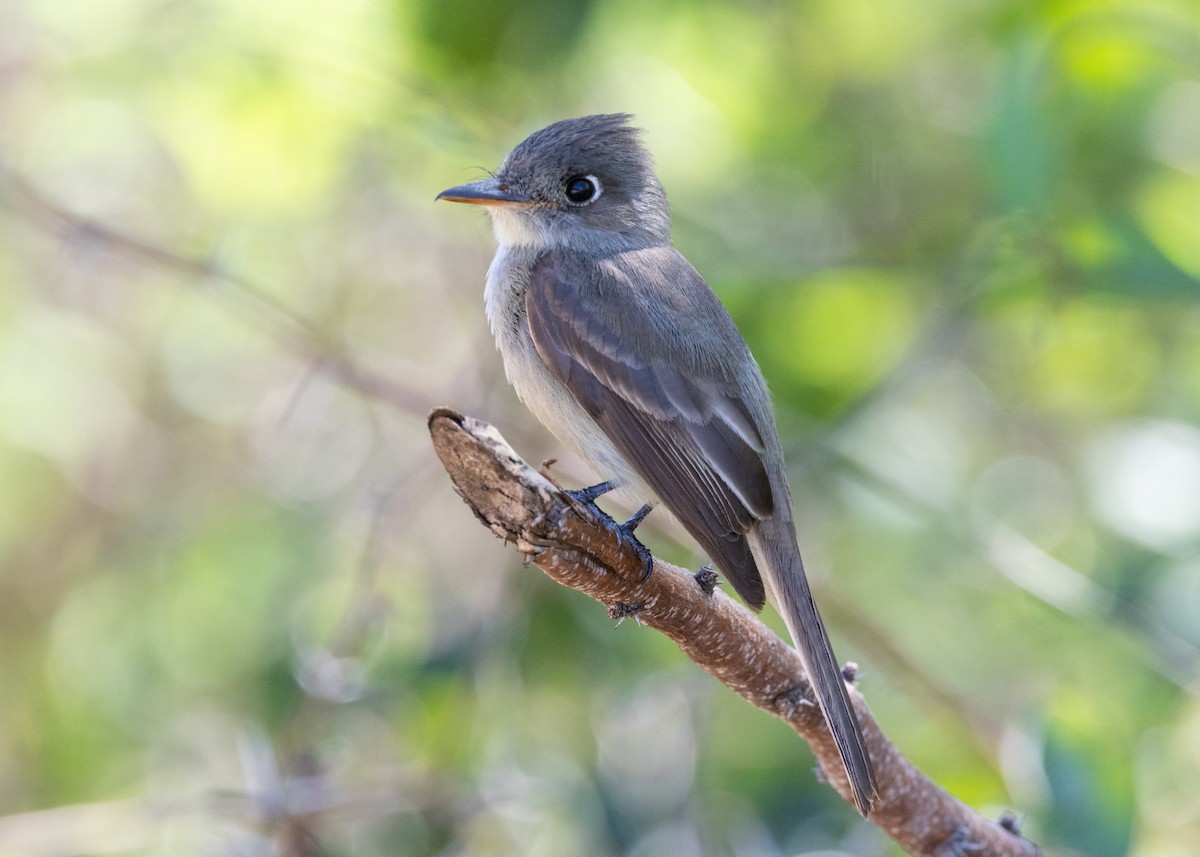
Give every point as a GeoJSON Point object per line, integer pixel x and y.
{"type": "Point", "coordinates": [615, 342]}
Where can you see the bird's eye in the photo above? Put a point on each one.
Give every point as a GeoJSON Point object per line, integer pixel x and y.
{"type": "Point", "coordinates": [582, 189]}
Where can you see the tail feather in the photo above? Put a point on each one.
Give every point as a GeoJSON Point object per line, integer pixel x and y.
{"type": "Point", "coordinates": [773, 544]}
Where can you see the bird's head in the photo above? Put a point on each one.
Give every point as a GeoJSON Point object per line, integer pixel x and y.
{"type": "Point", "coordinates": [586, 184]}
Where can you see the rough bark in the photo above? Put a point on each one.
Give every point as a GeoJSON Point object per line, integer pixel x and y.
{"type": "Point", "coordinates": [572, 546]}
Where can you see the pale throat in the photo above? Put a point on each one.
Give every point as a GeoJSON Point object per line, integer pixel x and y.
{"type": "Point", "coordinates": [516, 228]}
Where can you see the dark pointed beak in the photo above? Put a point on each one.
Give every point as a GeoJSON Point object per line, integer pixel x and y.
{"type": "Point", "coordinates": [485, 192]}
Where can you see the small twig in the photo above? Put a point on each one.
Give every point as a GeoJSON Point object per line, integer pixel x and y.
{"type": "Point", "coordinates": [571, 546]}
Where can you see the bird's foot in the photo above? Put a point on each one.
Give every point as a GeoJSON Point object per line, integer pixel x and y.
{"type": "Point", "coordinates": [588, 496]}
{"type": "Point", "coordinates": [626, 532]}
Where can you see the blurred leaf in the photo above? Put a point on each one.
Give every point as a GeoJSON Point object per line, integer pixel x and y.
{"type": "Point", "coordinates": [1093, 796]}
{"type": "Point", "coordinates": [1023, 148]}
{"type": "Point", "coordinates": [479, 36]}
{"type": "Point", "coordinates": [1140, 269]}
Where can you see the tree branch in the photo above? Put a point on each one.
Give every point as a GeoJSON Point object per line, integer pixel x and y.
{"type": "Point", "coordinates": [570, 545]}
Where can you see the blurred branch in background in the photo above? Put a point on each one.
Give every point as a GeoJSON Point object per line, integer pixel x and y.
{"type": "Point", "coordinates": [1039, 574]}
{"type": "Point", "coordinates": [299, 336]}
{"type": "Point", "coordinates": [289, 800]}
{"type": "Point", "coordinates": [285, 814]}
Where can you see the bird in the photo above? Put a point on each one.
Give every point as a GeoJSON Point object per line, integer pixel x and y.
{"type": "Point", "coordinates": [620, 348]}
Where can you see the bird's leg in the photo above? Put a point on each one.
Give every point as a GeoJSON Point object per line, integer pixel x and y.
{"type": "Point", "coordinates": [626, 530]}
{"type": "Point", "coordinates": [587, 496]}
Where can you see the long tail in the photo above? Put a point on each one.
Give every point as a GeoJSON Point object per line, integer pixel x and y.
{"type": "Point", "coordinates": [773, 543]}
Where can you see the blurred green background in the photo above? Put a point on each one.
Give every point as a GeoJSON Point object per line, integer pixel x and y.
{"type": "Point", "coordinates": [241, 610]}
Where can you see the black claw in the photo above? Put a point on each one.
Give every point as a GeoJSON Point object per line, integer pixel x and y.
{"type": "Point", "coordinates": [625, 531]}
{"type": "Point", "coordinates": [638, 516]}
{"type": "Point", "coordinates": [644, 555]}
{"type": "Point", "coordinates": [587, 496]}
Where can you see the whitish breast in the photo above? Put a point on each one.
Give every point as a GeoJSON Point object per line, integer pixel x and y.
{"type": "Point", "coordinates": [541, 391]}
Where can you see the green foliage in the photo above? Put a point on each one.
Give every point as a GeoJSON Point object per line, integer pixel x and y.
{"type": "Point", "coordinates": [240, 607]}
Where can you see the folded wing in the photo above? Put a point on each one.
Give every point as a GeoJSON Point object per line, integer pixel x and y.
{"type": "Point", "coordinates": [624, 334]}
